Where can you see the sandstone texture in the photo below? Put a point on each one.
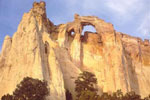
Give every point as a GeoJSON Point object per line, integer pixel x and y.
{"type": "Point", "coordinates": [42, 50]}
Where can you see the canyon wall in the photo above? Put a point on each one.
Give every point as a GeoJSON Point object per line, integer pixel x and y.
{"type": "Point", "coordinates": [42, 50]}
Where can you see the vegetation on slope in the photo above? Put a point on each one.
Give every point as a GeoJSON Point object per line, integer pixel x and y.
{"type": "Point", "coordinates": [34, 89]}
{"type": "Point", "coordinates": [29, 89]}
{"type": "Point", "coordinates": [86, 90]}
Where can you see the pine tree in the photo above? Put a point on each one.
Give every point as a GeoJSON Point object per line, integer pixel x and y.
{"type": "Point", "coordinates": [31, 89]}
{"type": "Point", "coordinates": [85, 86]}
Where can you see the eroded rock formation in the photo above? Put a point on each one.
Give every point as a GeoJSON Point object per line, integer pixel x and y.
{"type": "Point", "coordinates": [42, 50]}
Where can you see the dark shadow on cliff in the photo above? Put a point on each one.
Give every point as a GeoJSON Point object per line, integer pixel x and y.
{"type": "Point", "coordinates": [133, 80]}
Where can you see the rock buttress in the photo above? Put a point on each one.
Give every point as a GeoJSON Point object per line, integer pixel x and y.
{"type": "Point", "coordinates": [25, 55]}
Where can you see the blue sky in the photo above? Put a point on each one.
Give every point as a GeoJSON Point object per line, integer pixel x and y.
{"type": "Point", "coordinates": [128, 16]}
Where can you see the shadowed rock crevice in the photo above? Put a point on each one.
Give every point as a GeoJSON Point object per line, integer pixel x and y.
{"type": "Point", "coordinates": [133, 83]}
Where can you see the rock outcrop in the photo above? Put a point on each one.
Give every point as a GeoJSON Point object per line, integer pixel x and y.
{"type": "Point", "coordinates": [42, 50]}
{"type": "Point", "coordinates": [31, 52]}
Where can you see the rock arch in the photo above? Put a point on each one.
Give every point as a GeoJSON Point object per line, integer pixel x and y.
{"type": "Point", "coordinates": [80, 21]}
{"type": "Point", "coordinates": [77, 25]}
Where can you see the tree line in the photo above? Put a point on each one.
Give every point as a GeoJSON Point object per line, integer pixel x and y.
{"type": "Point", "coordinates": [35, 89]}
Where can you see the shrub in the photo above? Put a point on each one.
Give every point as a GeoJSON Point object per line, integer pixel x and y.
{"type": "Point", "coordinates": [85, 85]}
{"type": "Point", "coordinates": [29, 89]}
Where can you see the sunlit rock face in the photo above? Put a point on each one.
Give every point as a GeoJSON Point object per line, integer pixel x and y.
{"type": "Point", "coordinates": [42, 50]}
{"type": "Point", "coordinates": [31, 52]}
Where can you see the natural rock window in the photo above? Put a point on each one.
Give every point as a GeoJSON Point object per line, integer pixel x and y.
{"type": "Point", "coordinates": [87, 32]}
{"type": "Point", "coordinates": [72, 32]}
{"type": "Point", "coordinates": [88, 28]}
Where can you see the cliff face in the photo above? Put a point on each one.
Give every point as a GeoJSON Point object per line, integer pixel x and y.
{"type": "Point", "coordinates": [42, 50]}
{"type": "Point", "coordinates": [24, 54]}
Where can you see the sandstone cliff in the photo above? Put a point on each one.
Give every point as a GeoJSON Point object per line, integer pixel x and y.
{"type": "Point", "coordinates": [42, 50]}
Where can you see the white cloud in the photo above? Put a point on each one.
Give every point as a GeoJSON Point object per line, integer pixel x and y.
{"type": "Point", "coordinates": [124, 8]}
{"type": "Point", "coordinates": [144, 28]}
{"type": "Point", "coordinates": [70, 2]}
{"type": "Point", "coordinates": [118, 8]}
{"type": "Point", "coordinates": [91, 4]}
{"type": "Point", "coordinates": [137, 11]}
{"type": "Point", "coordinates": [85, 6]}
